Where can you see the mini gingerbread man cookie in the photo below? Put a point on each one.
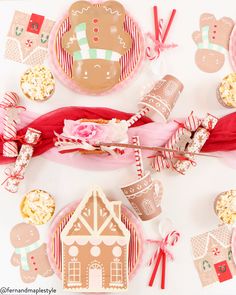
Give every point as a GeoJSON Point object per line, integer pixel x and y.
{"type": "Point", "coordinates": [96, 41]}
{"type": "Point", "coordinates": [30, 255]}
{"type": "Point", "coordinates": [212, 41]}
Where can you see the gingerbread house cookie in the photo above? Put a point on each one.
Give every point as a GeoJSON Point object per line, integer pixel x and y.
{"type": "Point", "coordinates": [96, 41]}
{"type": "Point", "coordinates": [95, 247]}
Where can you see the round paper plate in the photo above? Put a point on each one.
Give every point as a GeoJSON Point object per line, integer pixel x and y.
{"type": "Point", "coordinates": [232, 48]}
{"type": "Point", "coordinates": [60, 221]}
{"type": "Point", "coordinates": [233, 244]}
{"type": "Point", "coordinates": [62, 61]}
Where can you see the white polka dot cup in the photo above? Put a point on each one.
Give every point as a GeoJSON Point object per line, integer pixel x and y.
{"type": "Point", "coordinates": [162, 98]}
{"type": "Point", "coordinates": [145, 197]}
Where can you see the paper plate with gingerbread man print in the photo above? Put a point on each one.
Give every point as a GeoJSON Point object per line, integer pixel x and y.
{"type": "Point", "coordinates": [96, 48]}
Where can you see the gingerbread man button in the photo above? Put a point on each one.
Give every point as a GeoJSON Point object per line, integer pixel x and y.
{"type": "Point", "coordinates": [30, 255]}
{"type": "Point", "coordinates": [212, 41]}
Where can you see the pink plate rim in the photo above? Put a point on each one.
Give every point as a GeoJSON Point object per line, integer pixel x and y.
{"type": "Point", "coordinates": [233, 244]}
{"type": "Point", "coordinates": [67, 82]}
{"type": "Point", "coordinates": [71, 206]}
{"type": "Point", "coordinates": [232, 48]}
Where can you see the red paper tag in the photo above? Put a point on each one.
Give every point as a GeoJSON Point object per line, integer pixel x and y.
{"type": "Point", "coordinates": [222, 270]}
{"type": "Point", "coordinates": [35, 23]}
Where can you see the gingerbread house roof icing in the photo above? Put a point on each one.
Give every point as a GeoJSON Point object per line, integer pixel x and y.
{"type": "Point", "coordinates": [200, 243]}
{"type": "Point", "coordinates": [101, 241]}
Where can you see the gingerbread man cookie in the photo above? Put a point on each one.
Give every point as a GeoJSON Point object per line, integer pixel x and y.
{"type": "Point", "coordinates": [96, 41]}
{"type": "Point", "coordinates": [30, 255]}
{"type": "Point", "coordinates": [212, 41]}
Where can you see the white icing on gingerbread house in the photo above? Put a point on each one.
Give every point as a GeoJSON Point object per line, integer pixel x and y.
{"type": "Point", "coordinates": [95, 246]}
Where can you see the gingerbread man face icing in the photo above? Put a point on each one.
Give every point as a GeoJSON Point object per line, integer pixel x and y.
{"type": "Point", "coordinates": [212, 41]}
{"type": "Point", "coordinates": [29, 254]}
{"type": "Point", "coordinates": [96, 41]}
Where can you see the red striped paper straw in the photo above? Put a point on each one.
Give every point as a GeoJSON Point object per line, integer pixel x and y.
{"type": "Point", "coordinates": [163, 275]}
{"type": "Point", "coordinates": [156, 22]}
{"type": "Point", "coordinates": [160, 255]}
{"type": "Point", "coordinates": [137, 116]}
{"type": "Point", "coordinates": [169, 25]}
{"type": "Point", "coordinates": [138, 157]}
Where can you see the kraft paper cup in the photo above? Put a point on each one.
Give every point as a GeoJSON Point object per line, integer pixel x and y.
{"type": "Point", "coordinates": [144, 197]}
{"type": "Point", "coordinates": [162, 98]}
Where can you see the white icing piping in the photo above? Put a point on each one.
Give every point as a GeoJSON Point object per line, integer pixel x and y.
{"type": "Point", "coordinates": [76, 12]}
{"type": "Point", "coordinates": [121, 41]}
{"type": "Point", "coordinates": [108, 9]}
{"type": "Point", "coordinates": [83, 240]}
{"type": "Point", "coordinates": [70, 42]}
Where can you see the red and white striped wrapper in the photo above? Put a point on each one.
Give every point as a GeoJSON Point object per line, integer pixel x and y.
{"type": "Point", "coordinates": [199, 139]}
{"type": "Point", "coordinates": [209, 122]}
{"type": "Point", "coordinates": [138, 157]}
{"type": "Point", "coordinates": [12, 182]}
{"type": "Point", "coordinates": [9, 103]}
{"type": "Point", "coordinates": [192, 122]}
{"type": "Point", "coordinates": [137, 116]}
{"type": "Point", "coordinates": [159, 163]}
{"type": "Point", "coordinates": [195, 146]}
{"type": "Point", "coordinates": [178, 141]}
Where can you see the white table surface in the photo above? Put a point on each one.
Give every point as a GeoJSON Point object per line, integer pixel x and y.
{"type": "Point", "coordinates": [188, 200]}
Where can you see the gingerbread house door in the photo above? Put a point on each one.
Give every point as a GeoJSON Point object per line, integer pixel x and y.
{"type": "Point", "coordinates": [95, 276]}
{"type": "Point", "coordinates": [222, 270]}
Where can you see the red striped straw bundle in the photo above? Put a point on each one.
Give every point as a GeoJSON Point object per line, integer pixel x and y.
{"type": "Point", "coordinates": [138, 157]}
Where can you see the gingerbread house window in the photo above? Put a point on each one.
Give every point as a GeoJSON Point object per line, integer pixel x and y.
{"type": "Point", "coordinates": [74, 273]}
{"type": "Point", "coordinates": [148, 207]}
{"type": "Point", "coordinates": [116, 273]}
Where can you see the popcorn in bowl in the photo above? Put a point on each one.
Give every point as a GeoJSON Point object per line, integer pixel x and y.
{"type": "Point", "coordinates": [38, 83]}
{"type": "Point", "coordinates": [225, 206]}
{"type": "Point", "coordinates": [37, 207]}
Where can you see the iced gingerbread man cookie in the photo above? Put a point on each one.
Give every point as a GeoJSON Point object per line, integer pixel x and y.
{"type": "Point", "coordinates": [212, 41]}
{"type": "Point", "coordinates": [96, 41]}
{"type": "Point", "coordinates": [30, 255]}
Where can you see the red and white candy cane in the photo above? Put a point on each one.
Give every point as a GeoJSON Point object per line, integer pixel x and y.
{"type": "Point", "coordinates": [138, 157]}
{"type": "Point", "coordinates": [12, 182]}
{"type": "Point", "coordinates": [137, 116]}
{"type": "Point", "coordinates": [170, 240]}
{"type": "Point", "coordinates": [9, 104]}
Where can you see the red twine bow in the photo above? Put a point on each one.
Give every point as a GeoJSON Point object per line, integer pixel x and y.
{"type": "Point", "coordinates": [12, 175]}
{"type": "Point", "coordinates": [155, 48]}
{"type": "Point", "coordinates": [161, 254]}
{"type": "Point", "coordinates": [21, 139]}
{"type": "Point", "coordinates": [11, 105]}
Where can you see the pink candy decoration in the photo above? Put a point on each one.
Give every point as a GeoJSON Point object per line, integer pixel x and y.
{"type": "Point", "coordinates": [9, 103]}
{"type": "Point", "coordinates": [17, 173]}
